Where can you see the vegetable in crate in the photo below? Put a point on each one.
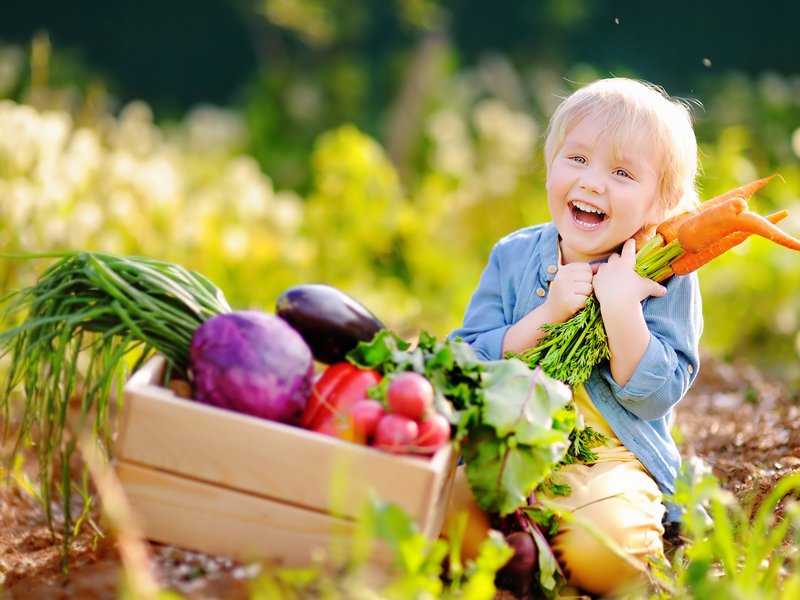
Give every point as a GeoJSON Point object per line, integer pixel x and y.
{"type": "Point", "coordinates": [512, 424]}
{"type": "Point", "coordinates": [330, 321]}
{"type": "Point", "coordinates": [411, 425]}
{"type": "Point", "coordinates": [396, 433]}
{"type": "Point", "coordinates": [394, 414]}
{"type": "Point", "coordinates": [433, 432]}
{"type": "Point", "coordinates": [410, 394]}
{"type": "Point", "coordinates": [339, 387]}
{"type": "Point", "coordinates": [254, 363]}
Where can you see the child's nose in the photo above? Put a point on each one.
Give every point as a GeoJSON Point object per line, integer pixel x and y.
{"type": "Point", "coordinates": [591, 183]}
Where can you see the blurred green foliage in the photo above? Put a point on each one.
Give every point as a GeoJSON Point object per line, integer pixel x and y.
{"type": "Point", "coordinates": [315, 176]}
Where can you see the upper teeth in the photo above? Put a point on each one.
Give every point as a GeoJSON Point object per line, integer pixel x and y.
{"type": "Point", "coordinates": [586, 207]}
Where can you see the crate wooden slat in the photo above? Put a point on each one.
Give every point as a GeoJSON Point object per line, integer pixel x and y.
{"type": "Point", "coordinates": [217, 520]}
{"type": "Point", "coordinates": [182, 462]}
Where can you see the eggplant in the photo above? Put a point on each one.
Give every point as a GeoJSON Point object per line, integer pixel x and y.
{"type": "Point", "coordinates": [331, 322]}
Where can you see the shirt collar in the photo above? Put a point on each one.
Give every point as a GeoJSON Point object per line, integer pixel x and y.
{"type": "Point", "coordinates": [551, 251]}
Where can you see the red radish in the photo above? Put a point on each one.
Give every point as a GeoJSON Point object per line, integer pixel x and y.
{"type": "Point", "coordinates": [395, 433]}
{"type": "Point", "coordinates": [434, 432]}
{"type": "Point", "coordinates": [410, 394]}
{"type": "Point", "coordinates": [364, 416]}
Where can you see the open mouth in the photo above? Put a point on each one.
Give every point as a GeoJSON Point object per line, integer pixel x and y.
{"type": "Point", "coordinates": [586, 214]}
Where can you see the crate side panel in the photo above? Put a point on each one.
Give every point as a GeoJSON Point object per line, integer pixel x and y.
{"type": "Point", "coordinates": [198, 516]}
{"type": "Point", "coordinates": [432, 520]}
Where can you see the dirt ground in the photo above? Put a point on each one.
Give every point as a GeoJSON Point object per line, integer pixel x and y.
{"type": "Point", "coordinates": [745, 426]}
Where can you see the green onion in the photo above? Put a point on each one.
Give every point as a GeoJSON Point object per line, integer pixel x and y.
{"type": "Point", "coordinates": [76, 328]}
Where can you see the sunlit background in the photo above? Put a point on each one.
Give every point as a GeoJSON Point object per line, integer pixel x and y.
{"type": "Point", "coordinates": [381, 147]}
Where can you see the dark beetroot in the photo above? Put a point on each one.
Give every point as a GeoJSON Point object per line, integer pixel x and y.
{"type": "Point", "coordinates": [517, 574]}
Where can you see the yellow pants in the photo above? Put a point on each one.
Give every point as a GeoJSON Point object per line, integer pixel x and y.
{"type": "Point", "coordinates": [615, 499]}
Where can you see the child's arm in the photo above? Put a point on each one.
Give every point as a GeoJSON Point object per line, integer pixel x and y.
{"type": "Point", "coordinates": [568, 293]}
{"type": "Point", "coordinates": [620, 291]}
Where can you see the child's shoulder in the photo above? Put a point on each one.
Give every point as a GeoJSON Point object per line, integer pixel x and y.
{"type": "Point", "coordinates": [531, 235]}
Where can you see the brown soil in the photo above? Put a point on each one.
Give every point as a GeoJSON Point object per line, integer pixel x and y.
{"type": "Point", "coordinates": [745, 426]}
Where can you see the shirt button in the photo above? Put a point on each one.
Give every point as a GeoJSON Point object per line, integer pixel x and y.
{"type": "Point", "coordinates": [690, 368]}
{"type": "Point", "coordinates": [552, 269]}
{"type": "Point", "coordinates": [540, 292]}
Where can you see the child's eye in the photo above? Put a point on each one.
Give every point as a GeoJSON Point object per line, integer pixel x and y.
{"type": "Point", "coordinates": [622, 173]}
{"type": "Point", "coordinates": [578, 159]}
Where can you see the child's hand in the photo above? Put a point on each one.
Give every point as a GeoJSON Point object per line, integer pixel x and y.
{"type": "Point", "coordinates": [569, 291]}
{"type": "Point", "coordinates": [616, 283]}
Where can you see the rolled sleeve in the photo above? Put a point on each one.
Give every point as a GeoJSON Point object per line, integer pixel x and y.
{"type": "Point", "coordinates": [671, 361]}
{"type": "Point", "coordinates": [488, 345]}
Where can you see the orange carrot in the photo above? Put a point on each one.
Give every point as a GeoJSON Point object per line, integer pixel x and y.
{"type": "Point", "coordinates": [711, 225]}
{"type": "Point", "coordinates": [691, 261]}
{"type": "Point", "coordinates": [669, 228]}
{"type": "Point", "coordinates": [743, 191]}
{"type": "Point", "coordinates": [758, 225]}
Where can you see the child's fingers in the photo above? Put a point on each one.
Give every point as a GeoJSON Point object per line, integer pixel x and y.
{"type": "Point", "coordinates": [576, 272]}
{"type": "Point", "coordinates": [583, 288]}
{"type": "Point", "coordinates": [655, 289]}
{"type": "Point", "coordinates": [629, 251]}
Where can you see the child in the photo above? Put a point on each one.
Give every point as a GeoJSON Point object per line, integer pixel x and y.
{"type": "Point", "coordinates": [621, 156]}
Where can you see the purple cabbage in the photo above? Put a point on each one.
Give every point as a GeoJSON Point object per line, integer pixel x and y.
{"type": "Point", "coordinates": [253, 363]}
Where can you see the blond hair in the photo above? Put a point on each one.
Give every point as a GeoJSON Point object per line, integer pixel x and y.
{"type": "Point", "coordinates": [633, 109]}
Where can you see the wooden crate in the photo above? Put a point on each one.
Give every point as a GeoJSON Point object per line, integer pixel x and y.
{"type": "Point", "coordinates": [216, 481]}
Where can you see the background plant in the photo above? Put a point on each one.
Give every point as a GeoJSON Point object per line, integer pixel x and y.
{"type": "Point", "coordinates": [735, 551]}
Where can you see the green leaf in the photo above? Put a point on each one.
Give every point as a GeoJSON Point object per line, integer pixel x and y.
{"type": "Point", "coordinates": [417, 560]}
{"type": "Point", "coordinates": [374, 354]}
{"type": "Point", "coordinates": [550, 575]}
{"type": "Point", "coordinates": [394, 526]}
{"type": "Point", "coordinates": [523, 402]}
{"type": "Point", "coordinates": [493, 553]}
{"type": "Point", "coordinates": [501, 476]}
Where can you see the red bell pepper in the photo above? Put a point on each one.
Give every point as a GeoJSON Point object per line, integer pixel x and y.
{"type": "Point", "coordinates": [340, 385]}
{"type": "Point", "coordinates": [322, 388]}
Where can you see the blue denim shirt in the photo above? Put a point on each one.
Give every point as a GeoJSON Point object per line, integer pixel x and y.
{"type": "Point", "coordinates": [515, 281]}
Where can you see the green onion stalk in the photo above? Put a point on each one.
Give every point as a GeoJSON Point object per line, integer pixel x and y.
{"type": "Point", "coordinates": [75, 333]}
{"type": "Point", "coordinates": [570, 350]}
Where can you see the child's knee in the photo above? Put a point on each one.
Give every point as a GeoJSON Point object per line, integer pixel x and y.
{"type": "Point", "coordinates": [592, 565]}
{"type": "Point", "coordinates": [613, 554]}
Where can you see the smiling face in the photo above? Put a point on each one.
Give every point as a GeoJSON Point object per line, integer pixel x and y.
{"type": "Point", "coordinates": [600, 193]}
